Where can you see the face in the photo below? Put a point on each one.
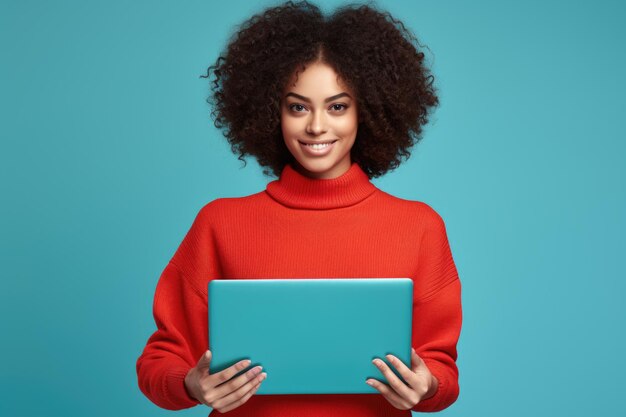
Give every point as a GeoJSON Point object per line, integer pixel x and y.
{"type": "Point", "coordinates": [319, 122]}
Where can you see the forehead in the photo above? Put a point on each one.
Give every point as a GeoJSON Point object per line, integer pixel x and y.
{"type": "Point", "coordinates": [316, 80]}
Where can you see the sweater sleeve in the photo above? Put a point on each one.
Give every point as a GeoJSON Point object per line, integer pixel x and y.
{"type": "Point", "coordinates": [181, 318]}
{"type": "Point", "coordinates": [437, 315]}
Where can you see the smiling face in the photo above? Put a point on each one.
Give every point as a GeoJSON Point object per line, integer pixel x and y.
{"type": "Point", "coordinates": [319, 122]}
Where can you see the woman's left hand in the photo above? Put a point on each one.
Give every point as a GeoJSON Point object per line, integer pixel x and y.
{"type": "Point", "coordinates": [422, 384]}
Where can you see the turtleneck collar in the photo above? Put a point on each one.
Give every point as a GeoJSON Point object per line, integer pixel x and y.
{"type": "Point", "coordinates": [296, 190]}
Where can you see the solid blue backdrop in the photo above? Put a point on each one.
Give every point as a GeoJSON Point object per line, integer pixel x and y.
{"type": "Point", "coordinates": [108, 153]}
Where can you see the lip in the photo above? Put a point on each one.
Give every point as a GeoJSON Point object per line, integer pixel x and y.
{"type": "Point", "coordinates": [318, 141]}
{"type": "Point", "coordinates": [317, 152]}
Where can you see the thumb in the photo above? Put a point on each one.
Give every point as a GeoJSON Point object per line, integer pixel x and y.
{"type": "Point", "coordinates": [416, 361]}
{"type": "Point", "coordinates": [205, 361]}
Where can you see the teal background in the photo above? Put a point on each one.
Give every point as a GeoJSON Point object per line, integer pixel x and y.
{"type": "Point", "coordinates": [108, 153]}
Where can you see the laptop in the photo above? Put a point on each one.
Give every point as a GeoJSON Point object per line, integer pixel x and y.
{"type": "Point", "coordinates": [312, 336]}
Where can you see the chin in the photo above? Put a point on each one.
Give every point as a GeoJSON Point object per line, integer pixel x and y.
{"type": "Point", "coordinates": [320, 169]}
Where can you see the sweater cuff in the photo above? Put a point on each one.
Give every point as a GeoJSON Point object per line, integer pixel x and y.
{"type": "Point", "coordinates": [175, 389]}
{"type": "Point", "coordinates": [439, 400]}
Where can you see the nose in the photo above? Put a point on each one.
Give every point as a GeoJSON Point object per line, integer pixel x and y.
{"type": "Point", "coordinates": [317, 123]}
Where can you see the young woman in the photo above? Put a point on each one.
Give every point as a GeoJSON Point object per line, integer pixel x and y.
{"type": "Point", "coordinates": [324, 104]}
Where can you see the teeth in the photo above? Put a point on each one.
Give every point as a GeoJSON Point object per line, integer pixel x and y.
{"type": "Point", "coordinates": [318, 145]}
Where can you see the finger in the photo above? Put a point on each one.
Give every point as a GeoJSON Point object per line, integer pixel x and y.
{"type": "Point", "coordinates": [236, 399]}
{"type": "Point", "coordinates": [416, 362]}
{"type": "Point", "coordinates": [204, 361]}
{"type": "Point", "coordinates": [242, 401]}
{"type": "Point", "coordinates": [408, 375]}
{"type": "Point", "coordinates": [389, 394]}
{"type": "Point", "coordinates": [226, 374]}
{"type": "Point", "coordinates": [398, 386]}
{"type": "Point", "coordinates": [236, 383]}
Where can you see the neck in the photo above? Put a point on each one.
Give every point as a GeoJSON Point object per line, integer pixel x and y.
{"type": "Point", "coordinates": [296, 190]}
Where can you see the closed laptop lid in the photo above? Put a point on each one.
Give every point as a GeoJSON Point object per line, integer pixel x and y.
{"type": "Point", "coordinates": [312, 336]}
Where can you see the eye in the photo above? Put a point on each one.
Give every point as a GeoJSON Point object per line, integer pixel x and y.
{"type": "Point", "coordinates": [338, 107]}
{"type": "Point", "coordinates": [296, 107]}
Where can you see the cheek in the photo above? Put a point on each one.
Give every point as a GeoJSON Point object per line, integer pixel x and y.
{"type": "Point", "coordinates": [348, 126]}
{"type": "Point", "coordinates": [289, 125]}
{"type": "Point", "coordinates": [290, 133]}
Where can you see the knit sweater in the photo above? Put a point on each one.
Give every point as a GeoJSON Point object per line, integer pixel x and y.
{"type": "Point", "coordinates": [300, 227]}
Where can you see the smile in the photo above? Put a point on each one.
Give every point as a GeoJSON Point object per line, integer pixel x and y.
{"type": "Point", "coordinates": [318, 145]}
{"type": "Point", "coordinates": [317, 148]}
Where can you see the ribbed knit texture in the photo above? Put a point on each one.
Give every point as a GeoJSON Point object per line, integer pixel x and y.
{"type": "Point", "coordinates": [297, 191]}
{"type": "Point", "coordinates": [301, 227]}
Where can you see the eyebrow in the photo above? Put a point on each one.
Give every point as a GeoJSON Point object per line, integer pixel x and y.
{"type": "Point", "coordinates": [308, 100]}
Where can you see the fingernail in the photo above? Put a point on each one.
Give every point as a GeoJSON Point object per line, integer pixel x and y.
{"type": "Point", "coordinates": [369, 382]}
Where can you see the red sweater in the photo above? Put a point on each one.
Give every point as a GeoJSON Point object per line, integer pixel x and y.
{"type": "Point", "coordinates": [300, 227]}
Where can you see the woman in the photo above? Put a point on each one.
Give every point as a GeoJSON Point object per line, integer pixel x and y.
{"type": "Point", "coordinates": [325, 104]}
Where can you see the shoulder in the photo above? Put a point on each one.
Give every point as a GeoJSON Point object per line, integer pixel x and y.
{"type": "Point", "coordinates": [228, 207]}
{"type": "Point", "coordinates": [422, 212]}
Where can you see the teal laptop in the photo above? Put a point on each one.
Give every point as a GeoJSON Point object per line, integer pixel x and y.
{"type": "Point", "coordinates": [312, 336]}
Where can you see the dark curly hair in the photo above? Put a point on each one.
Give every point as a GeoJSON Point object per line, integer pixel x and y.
{"type": "Point", "coordinates": [373, 53]}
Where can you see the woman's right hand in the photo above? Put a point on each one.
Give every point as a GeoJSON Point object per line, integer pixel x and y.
{"type": "Point", "coordinates": [204, 386]}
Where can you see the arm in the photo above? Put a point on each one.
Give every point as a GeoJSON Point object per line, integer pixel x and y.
{"type": "Point", "coordinates": [434, 338]}
{"type": "Point", "coordinates": [180, 314]}
{"type": "Point", "coordinates": [437, 315]}
{"type": "Point", "coordinates": [169, 354]}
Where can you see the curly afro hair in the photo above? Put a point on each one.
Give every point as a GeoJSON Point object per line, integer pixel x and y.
{"type": "Point", "coordinates": [373, 53]}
